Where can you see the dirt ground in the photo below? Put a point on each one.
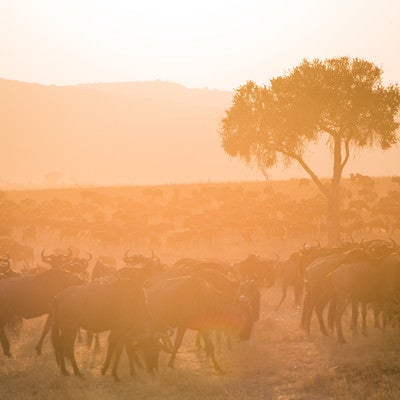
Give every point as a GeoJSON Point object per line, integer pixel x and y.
{"type": "Point", "coordinates": [279, 362]}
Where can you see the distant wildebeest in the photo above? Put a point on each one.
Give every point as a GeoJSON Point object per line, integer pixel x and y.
{"type": "Point", "coordinates": [192, 303]}
{"type": "Point", "coordinates": [30, 297]}
{"type": "Point", "coordinates": [119, 306]}
{"type": "Point", "coordinates": [18, 253]}
{"type": "Point", "coordinates": [5, 268]}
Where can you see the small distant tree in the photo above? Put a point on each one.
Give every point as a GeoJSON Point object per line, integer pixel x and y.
{"type": "Point", "coordinates": [341, 100]}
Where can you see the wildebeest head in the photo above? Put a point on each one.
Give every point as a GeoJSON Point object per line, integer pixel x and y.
{"type": "Point", "coordinates": [246, 323]}
{"type": "Point", "coordinates": [77, 265]}
{"type": "Point", "coordinates": [249, 289]}
{"type": "Point", "coordinates": [56, 260]}
{"type": "Point", "coordinates": [148, 266]}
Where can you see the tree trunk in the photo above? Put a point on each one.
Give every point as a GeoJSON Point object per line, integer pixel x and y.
{"type": "Point", "coordinates": [333, 199]}
{"type": "Point", "coordinates": [333, 218]}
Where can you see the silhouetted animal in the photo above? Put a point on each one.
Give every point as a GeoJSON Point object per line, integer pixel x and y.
{"type": "Point", "coordinates": [30, 297]}
{"type": "Point", "coordinates": [373, 281]}
{"type": "Point", "coordinates": [192, 303]}
{"type": "Point", "coordinates": [119, 306]}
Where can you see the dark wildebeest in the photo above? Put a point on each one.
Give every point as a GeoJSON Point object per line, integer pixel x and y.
{"type": "Point", "coordinates": [192, 303]}
{"type": "Point", "coordinates": [293, 270]}
{"type": "Point", "coordinates": [5, 268]}
{"type": "Point", "coordinates": [318, 289]}
{"type": "Point", "coordinates": [372, 281]}
{"type": "Point", "coordinates": [261, 270]}
{"type": "Point", "coordinates": [291, 275]}
{"type": "Point", "coordinates": [78, 265]}
{"type": "Point", "coordinates": [119, 306]}
{"type": "Point", "coordinates": [30, 297]}
{"type": "Point", "coordinates": [56, 260]}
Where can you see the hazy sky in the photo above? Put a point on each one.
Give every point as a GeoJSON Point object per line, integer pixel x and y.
{"type": "Point", "coordinates": [215, 44]}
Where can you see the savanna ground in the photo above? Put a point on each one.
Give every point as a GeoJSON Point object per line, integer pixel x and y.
{"type": "Point", "coordinates": [278, 363]}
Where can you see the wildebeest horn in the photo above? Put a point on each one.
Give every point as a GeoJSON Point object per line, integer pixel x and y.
{"type": "Point", "coordinates": [126, 257]}
{"type": "Point", "coordinates": [90, 257]}
{"type": "Point", "coordinates": [394, 244]}
{"type": "Point", "coordinates": [44, 257]}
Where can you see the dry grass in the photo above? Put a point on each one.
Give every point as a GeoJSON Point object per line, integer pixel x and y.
{"type": "Point", "coordinates": [278, 363]}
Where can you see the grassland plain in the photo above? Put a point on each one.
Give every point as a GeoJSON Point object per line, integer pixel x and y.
{"type": "Point", "coordinates": [278, 363]}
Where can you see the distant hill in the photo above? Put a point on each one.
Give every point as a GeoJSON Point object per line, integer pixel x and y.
{"type": "Point", "coordinates": [119, 133]}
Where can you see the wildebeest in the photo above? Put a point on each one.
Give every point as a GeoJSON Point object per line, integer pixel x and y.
{"type": "Point", "coordinates": [119, 306]}
{"type": "Point", "coordinates": [291, 275]}
{"type": "Point", "coordinates": [5, 268]}
{"type": "Point", "coordinates": [30, 297]}
{"type": "Point", "coordinates": [318, 289]}
{"type": "Point", "coordinates": [262, 271]}
{"type": "Point", "coordinates": [191, 303]}
{"type": "Point", "coordinates": [372, 281]}
{"type": "Point", "coordinates": [78, 265]}
{"type": "Point", "coordinates": [56, 260]}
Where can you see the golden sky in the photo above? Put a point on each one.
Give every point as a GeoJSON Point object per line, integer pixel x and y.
{"type": "Point", "coordinates": [216, 44]}
{"type": "Point", "coordinates": [200, 44]}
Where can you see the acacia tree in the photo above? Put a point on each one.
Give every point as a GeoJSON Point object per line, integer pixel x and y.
{"type": "Point", "coordinates": [341, 100]}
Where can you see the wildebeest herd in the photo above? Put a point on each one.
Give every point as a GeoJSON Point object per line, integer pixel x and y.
{"type": "Point", "coordinates": [147, 306]}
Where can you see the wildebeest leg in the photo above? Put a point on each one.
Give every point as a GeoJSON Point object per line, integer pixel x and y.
{"type": "Point", "coordinates": [110, 353]}
{"type": "Point", "coordinates": [354, 317]}
{"type": "Point", "coordinates": [4, 341]}
{"type": "Point", "coordinates": [340, 307]}
{"type": "Point", "coordinates": [308, 307]}
{"type": "Point", "coordinates": [283, 296]}
{"type": "Point", "coordinates": [178, 341]}
{"type": "Point", "coordinates": [97, 343]}
{"type": "Point", "coordinates": [117, 356]}
{"type": "Point", "coordinates": [319, 310]}
{"type": "Point", "coordinates": [377, 310]}
{"type": "Point", "coordinates": [69, 341]}
{"type": "Point", "coordinates": [45, 331]}
{"type": "Point", "coordinates": [133, 359]}
{"type": "Point", "coordinates": [331, 314]}
{"type": "Point", "coordinates": [298, 293]}
{"type": "Point", "coordinates": [210, 352]}
{"type": "Point", "coordinates": [364, 318]}
{"type": "Point", "coordinates": [61, 355]}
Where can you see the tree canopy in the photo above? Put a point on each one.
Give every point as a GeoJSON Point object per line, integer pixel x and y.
{"type": "Point", "coordinates": [342, 99]}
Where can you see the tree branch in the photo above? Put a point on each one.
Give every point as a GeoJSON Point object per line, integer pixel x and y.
{"type": "Point", "coordinates": [306, 167]}
{"type": "Point", "coordinates": [346, 157]}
